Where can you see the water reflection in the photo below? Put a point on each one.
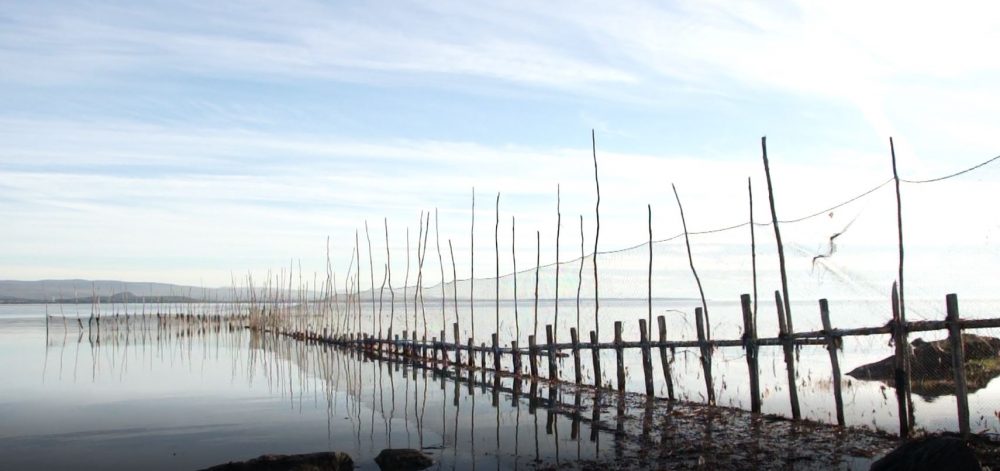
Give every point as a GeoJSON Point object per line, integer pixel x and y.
{"type": "Point", "coordinates": [373, 402]}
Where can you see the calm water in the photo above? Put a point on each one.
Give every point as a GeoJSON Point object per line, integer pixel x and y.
{"type": "Point", "coordinates": [135, 400]}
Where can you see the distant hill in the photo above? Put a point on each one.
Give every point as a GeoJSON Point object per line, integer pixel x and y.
{"type": "Point", "coordinates": [107, 291]}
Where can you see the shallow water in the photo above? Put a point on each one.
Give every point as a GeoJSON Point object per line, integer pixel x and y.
{"type": "Point", "coordinates": [127, 401]}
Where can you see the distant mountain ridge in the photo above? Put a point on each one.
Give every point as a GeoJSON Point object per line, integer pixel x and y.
{"type": "Point", "coordinates": [106, 291]}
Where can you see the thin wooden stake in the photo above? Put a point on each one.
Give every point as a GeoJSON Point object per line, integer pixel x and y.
{"type": "Point", "coordinates": [597, 233]}
{"type": "Point", "coordinates": [902, 303]}
{"type": "Point", "coordinates": [458, 343]}
{"type": "Point", "coordinates": [454, 292]}
{"type": "Point", "coordinates": [687, 242]}
{"type": "Point", "coordinates": [647, 362]}
{"type": "Point", "coordinates": [472, 275]}
{"type": "Point", "coordinates": [786, 343]}
{"type": "Point", "coordinates": [664, 363]}
{"type": "Point", "coordinates": [958, 363]}
{"type": "Point", "coordinates": [558, 232]}
{"type": "Point", "coordinates": [750, 345]}
{"type": "Point", "coordinates": [513, 256]}
{"type": "Point", "coordinates": [649, 277]}
{"type": "Point", "coordinates": [753, 251]}
{"type": "Point", "coordinates": [777, 237]}
{"type": "Point", "coordinates": [832, 347]}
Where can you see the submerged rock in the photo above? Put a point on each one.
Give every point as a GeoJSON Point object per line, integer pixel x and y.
{"type": "Point", "coordinates": [400, 459]}
{"type": "Point", "coordinates": [930, 365]}
{"type": "Point", "coordinates": [929, 454]}
{"type": "Point", "coordinates": [327, 461]}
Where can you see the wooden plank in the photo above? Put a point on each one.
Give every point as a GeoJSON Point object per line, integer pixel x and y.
{"type": "Point", "coordinates": [664, 364]}
{"type": "Point", "coordinates": [958, 363]}
{"type": "Point", "coordinates": [619, 356]}
{"type": "Point", "coordinates": [596, 355]}
{"type": "Point", "coordinates": [706, 354]}
{"type": "Point", "coordinates": [575, 340]}
{"type": "Point", "coordinates": [832, 346]}
{"type": "Point", "coordinates": [793, 395]}
{"type": "Point", "coordinates": [647, 363]}
{"type": "Point", "coordinates": [750, 346]}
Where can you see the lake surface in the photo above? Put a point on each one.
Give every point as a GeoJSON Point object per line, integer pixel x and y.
{"type": "Point", "coordinates": [183, 402]}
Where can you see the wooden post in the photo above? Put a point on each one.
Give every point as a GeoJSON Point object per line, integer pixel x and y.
{"type": "Point", "coordinates": [786, 343]}
{"type": "Point", "coordinates": [958, 363]}
{"type": "Point", "coordinates": [458, 351]}
{"type": "Point", "coordinates": [434, 350]}
{"type": "Point", "coordinates": [472, 354]}
{"type": "Point", "coordinates": [750, 345]}
{"type": "Point", "coordinates": [576, 354]}
{"type": "Point", "coordinates": [596, 355]}
{"type": "Point", "coordinates": [550, 340]}
{"type": "Point", "coordinates": [482, 356]}
{"type": "Point", "coordinates": [832, 346]}
{"type": "Point", "coordinates": [647, 362]}
{"type": "Point", "coordinates": [444, 348]}
{"type": "Point", "coordinates": [664, 363]}
{"type": "Point", "coordinates": [532, 351]}
{"type": "Point", "coordinates": [619, 356]}
{"type": "Point", "coordinates": [516, 358]}
{"type": "Point", "coordinates": [496, 353]}
{"type": "Point", "coordinates": [900, 376]}
{"type": "Point", "coordinates": [706, 354]}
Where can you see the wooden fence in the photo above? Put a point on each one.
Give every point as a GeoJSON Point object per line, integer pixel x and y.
{"type": "Point", "coordinates": [455, 354]}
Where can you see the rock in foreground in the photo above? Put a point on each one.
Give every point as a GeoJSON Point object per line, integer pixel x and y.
{"type": "Point", "coordinates": [930, 365]}
{"type": "Point", "coordinates": [930, 454]}
{"type": "Point", "coordinates": [400, 459]}
{"type": "Point", "coordinates": [328, 461]}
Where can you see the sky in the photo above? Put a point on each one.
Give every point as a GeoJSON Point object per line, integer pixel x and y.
{"type": "Point", "coordinates": [191, 142]}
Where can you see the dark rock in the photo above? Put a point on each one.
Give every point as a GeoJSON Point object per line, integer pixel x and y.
{"type": "Point", "coordinates": [929, 454]}
{"type": "Point", "coordinates": [930, 365]}
{"type": "Point", "coordinates": [328, 461]}
{"type": "Point", "coordinates": [400, 459]}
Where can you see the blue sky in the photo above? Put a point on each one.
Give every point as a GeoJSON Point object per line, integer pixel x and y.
{"type": "Point", "coordinates": [183, 141]}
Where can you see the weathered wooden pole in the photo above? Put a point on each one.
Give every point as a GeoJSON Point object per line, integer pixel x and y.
{"type": "Point", "coordinates": [596, 356]}
{"type": "Point", "coordinates": [664, 363]}
{"type": "Point", "coordinates": [902, 303]}
{"type": "Point", "coordinates": [750, 345]}
{"type": "Point", "coordinates": [706, 354]}
{"type": "Point", "coordinates": [597, 235]}
{"type": "Point", "coordinates": [575, 338]}
{"type": "Point", "coordinates": [958, 363]}
{"type": "Point", "coordinates": [900, 374]}
{"type": "Point", "coordinates": [787, 309]}
{"type": "Point", "coordinates": [551, 339]}
{"type": "Point", "coordinates": [786, 342]}
{"type": "Point", "coordinates": [832, 345]}
{"type": "Point", "coordinates": [647, 362]}
{"type": "Point", "coordinates": [532, 355]}
{"type": "Point", "coordinates": [619, 356]}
